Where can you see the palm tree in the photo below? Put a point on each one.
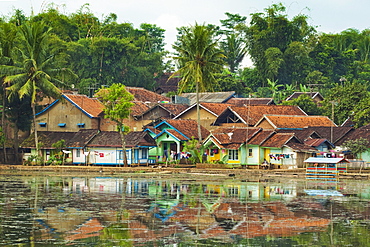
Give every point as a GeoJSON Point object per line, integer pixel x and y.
{"type": "Point", "coordinates": [235, 49]}
{"type": "Point", "coordinates": [32, 72]}
{"type": "Point", "coordinates": [199, 58]}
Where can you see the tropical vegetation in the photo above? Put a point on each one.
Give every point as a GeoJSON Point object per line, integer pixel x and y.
{"type": "Point", "coordinates": [42, 54]}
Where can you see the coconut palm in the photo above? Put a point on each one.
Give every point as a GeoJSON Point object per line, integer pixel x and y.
{"type": "Point", "coordinates": [34, 67]}
{"type": "Point", "coordinates": [198, 58]}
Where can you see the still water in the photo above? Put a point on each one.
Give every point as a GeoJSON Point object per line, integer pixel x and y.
{"type": "Point", "coordinates": [144, 210]}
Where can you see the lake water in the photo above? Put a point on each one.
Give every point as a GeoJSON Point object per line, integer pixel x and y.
{"type": "Point", "coordinates": [182, 210]}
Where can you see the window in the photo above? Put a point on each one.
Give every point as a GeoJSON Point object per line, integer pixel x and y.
{"type": "Point", "coordinates": [233, 154]}
{"type": "Point", "coordinates": [250, 152]}
{"type": "Point", "coordinates": [81, 125]}
{"type": "Point", "coordinates": [78, 153]}
{"type": "Point", "coordinates": [62, 125]}
{"type": "Point", "coordinates": [120, 155]}
{"type": "Point", "coordinates": [42, 124]}
{"type": "Point", "coordinates": [144, 153]}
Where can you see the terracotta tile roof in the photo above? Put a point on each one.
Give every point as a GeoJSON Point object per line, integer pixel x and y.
{"type": "Point", "coordinates": [174, 109]}
{"type": "Point", "coordinates": [301, 134]}
{"type": "Point", "coordinates": [362, 132]}
{"type": "Point", "coordinates": [82, 138]}
{"type": "Point", "coordinates": [282, 122]}
{"type": "Point", "coordinates": [250, 115]}
{"type": "Point", "coordinates": [143, 95]}
{"type": "Point", "coordinates": [139, 108]}
{"type": "Point", "coordinates": [91, 106]}
{"type": "Point", "coordinates": [165, 85]}
{"type": "Point", "coordinates": [113, 139]}
{"type": "Point", "coordinates": [177, 135]}
{"type": "Point", "coordinates": [250, 101]}
{"type": "Point", "coordinates": [216, 108]}
{"type": "Point", "coordinates": [233, 138]}
{"type": "Point", "coordinates": [261, 137]}
{"type": "Point", "coordinates": [338, 133]}
{"type": "Point", "coordinates": [188, 127]}
{"type": "Point", "coordinates": [315, 142]}
{"type": "Point", "coordinates": [236, 135]}
{"type": "Point", "coordinates": [278, 140]}
{"type": "Point", "coordinates": [301, 147]}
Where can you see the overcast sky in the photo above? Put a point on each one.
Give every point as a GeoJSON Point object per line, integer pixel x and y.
{"type": "Point", "coordinates": [329, 16]}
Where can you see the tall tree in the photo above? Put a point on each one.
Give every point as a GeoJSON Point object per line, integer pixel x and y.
{"type": "Point", "coordinates": [32, 72]}
{"type": "Point", "coordinates": [269, 36]}
{"type": "Point", "coordinates": [342, 100]}
{"type": "Point", "coordinates": [233, 44]}
{"type": "Point", "coordinates": [7, 37]}
{"type": "Point", "coordinates": [199, 58]}
{"type": "Point", "coordinates": [117, 102]}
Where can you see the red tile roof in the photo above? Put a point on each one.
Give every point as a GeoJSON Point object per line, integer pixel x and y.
{"type": "Point", "coordinates": [174, 109]}
{"type": "Point", "coordinates": [261, 137]}
{"type": "Point", "coordinates": [216, 108]}
{"type": "Point", "coordinates": [280, 121]}
{"type": "Point", "coordinates": [144, 95]}
{"type": "Point", "coordinates": [250, 115]}
{"type": "Point", "coordinates": [278, 140]}
{"type": "Point", "coordinates": [139, 108]}
{"type": "Point", "coordinates": [188, 127]}
{"type": "Point", "coordinates": [233, 138]}
{"type": "Point", "coordinates": [91, 106]}
{"type": "Point", "coordinates": [315, 142]}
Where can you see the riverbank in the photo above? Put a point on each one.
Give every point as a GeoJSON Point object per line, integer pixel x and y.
{"type": "Point", "coordinates": [110, 171]}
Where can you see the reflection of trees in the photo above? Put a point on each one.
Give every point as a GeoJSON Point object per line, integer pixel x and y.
{"type": "Point", "coordinates": [172, 212]}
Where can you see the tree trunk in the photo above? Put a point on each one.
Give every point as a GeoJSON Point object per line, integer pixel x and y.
{"type": "Point", "coordinates": [123, 146]}
{"type": "Point", "coordinates": [16, 143]}
{"type": "Point", "coordinates": [198, 114]}
{"type": "Point", "coordinates": [34, 129]}
{"type": "Point", "coordinates": [5, 130]}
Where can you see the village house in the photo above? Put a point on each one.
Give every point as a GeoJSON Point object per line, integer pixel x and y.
{"type": "Point", "coordinates": [208, 113]}
{"type": "Point", "coordinates": [106, 148]}
{"type": "Point", "coordinates": [170, 136]}
{"type": "Point", "coordinates": [72, 113]}
{"type": "Point", "coordinates": [227, 145]}
{"type": "Point", "coordinates": [242, 116]}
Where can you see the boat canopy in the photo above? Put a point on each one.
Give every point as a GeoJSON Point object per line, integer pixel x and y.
{"type": "Point", "coordinates": [326, 160]}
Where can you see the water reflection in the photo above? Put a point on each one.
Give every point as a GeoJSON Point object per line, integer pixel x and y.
{"type": "Point", "coordinates": [183, 211]}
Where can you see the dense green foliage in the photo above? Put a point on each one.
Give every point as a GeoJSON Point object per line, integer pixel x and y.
{"type": "Point", "coordinates": [117, 103]}
{"type": "Point", "coordinates": [86, 52]}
